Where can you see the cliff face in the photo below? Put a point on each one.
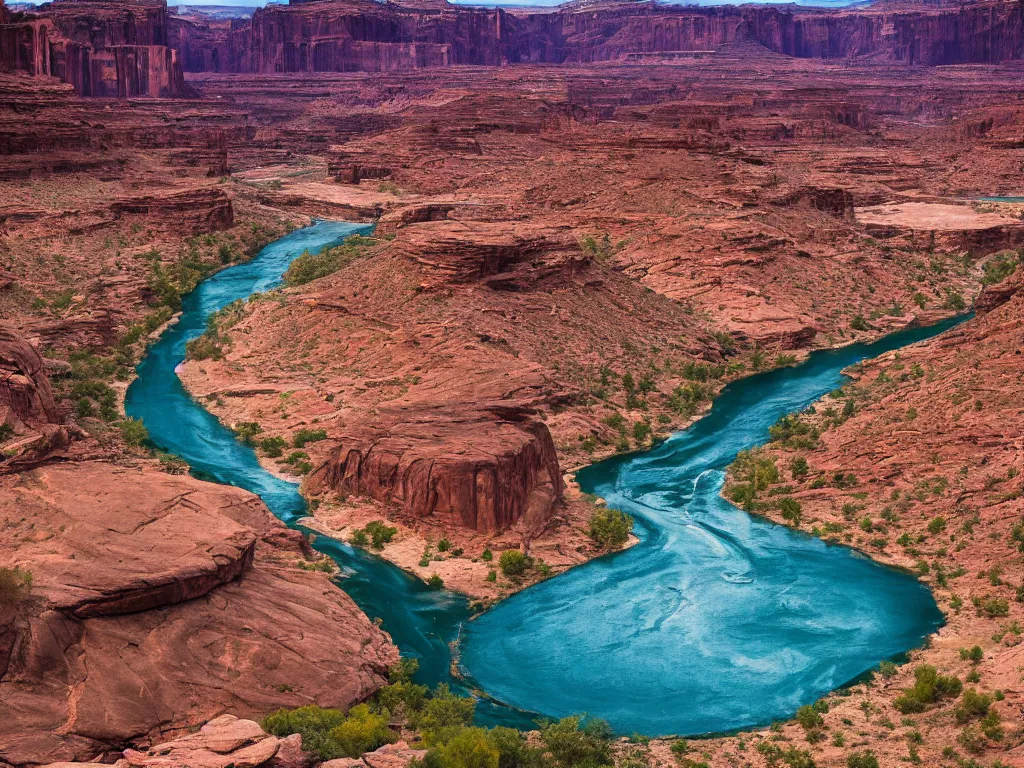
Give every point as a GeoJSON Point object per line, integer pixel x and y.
{"type": "Point", "coordinates": [484, 470]}
{"type": "Point", "coordinates": [355, 35]}
{"type": "Point", "coordinates": [107, 49]}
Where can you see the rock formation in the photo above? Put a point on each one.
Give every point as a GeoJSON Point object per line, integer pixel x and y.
{"type": "Point", "coordinates": [484, 470]}
{"type": "Point", "coordinates": [359, 35]}
{"type": "Point", "coordinates": [31, 424]}
{"type": "Point", "coordinates": [103, 48]}
{"type": "Point", "coordinates": [160, 601]}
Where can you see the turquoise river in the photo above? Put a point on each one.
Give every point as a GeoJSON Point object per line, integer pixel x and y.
{"type": "Point", "coordinates": [715, 620]}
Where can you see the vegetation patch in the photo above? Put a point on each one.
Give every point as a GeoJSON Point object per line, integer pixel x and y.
{"type": "Point", "coordinates": [312, 266]}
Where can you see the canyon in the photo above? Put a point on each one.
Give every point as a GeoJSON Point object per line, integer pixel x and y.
{"type": "Point", "coordinates": [587, 221]}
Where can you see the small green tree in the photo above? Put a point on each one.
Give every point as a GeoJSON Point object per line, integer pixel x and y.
{"type": "Point", "coordinates": [610, 528]}
{"type": "Point", "coordinates": [513, 563]}
{"type": "Point", "coordinates": [134, 432]}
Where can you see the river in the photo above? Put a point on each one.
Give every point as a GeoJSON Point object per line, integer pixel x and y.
{"type": "Point", "coordinates": [715, 620]}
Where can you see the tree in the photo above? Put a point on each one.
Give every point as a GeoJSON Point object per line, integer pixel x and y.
{"type": "Point", "coordinates": [468, 748]}
{"type": "Point", "coordinates": [513, 563]}
{"type": "Point", "coordinates": [362, 731]}
{"type": "Point", "coordinates": [610, 528]}
{"type": "Point", "coordinates": [573, 743]}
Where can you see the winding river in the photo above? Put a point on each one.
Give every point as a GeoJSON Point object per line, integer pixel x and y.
{"type": "Point", "coordinates": [716, 620]}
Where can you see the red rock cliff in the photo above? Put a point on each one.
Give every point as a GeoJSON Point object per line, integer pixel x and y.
{"type": "Point", "coordinates": [360, 35]}
{"type": "Point", "coordinates": [103, 48]}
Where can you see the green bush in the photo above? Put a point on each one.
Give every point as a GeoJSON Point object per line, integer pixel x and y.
{"type": "Point", "coordinates": [929, 687]}
{"type": "Point", "coordinates": [513, 563]}
{"type": "Point", "coordinates": [573, 742]}
{"type": "Point", "coordinates": [992, 607]}
{"type": "Point", "coordinates": [809, 717]}
{"type": "Point", "coordinates": [973, 655]}
{"type": "Point", "coordinates": [272, 446]}
{"type": "Point", "coordinates": [313, 723]}
{"type": "Point", "coordinates": [687, 398]}
{"type": "Point", "coordinates": [790, 509]}
{"type": "Point", "coordinates": [972, 705]}
{"type": "Point", "coordinates": [304, 436]}
{"type": "Point", "coordinates": [205, 347]}
{"type": "Point", "coordinates": [362, 731]}
{"type": "Point", "coordinates": [610, 528]}
{"type": "Point", "coordinates": [865, 759]}
{"type": "Point", "coordinates": [134, 432]}
{"type": "Point", "coordinates": [858, 323]}
{"type": "Point", "coordinates": [376, 532]}
{"type": "Point", "coordinates": [999, 267]}
{"type": "Point", "coordinates": [798, 467]}
{"type": "Point", "coordinates": [312, 266]}
{"type": "Point", "coordinates": [465, 748]}
{"type": "Point", "coordinates": [246, 431]}
{"type": "Point", "coordinates": [443, 714]}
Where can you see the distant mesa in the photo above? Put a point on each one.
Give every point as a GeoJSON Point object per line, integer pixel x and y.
{"type": "Point", "coordinates": [137, 48]}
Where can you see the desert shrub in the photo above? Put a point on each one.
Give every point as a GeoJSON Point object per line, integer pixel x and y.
{"type": "Point", "coordinates": [992, 607]}
{"type": "Point", "coordinates": [955, 301]}
{"type": "Point", "coordinates": [791, 756]}
{"type": "Point", "coordinates": [465, 748]}
{"type": "Point", "coordinates": [134, 432]}
{"type": "Point", "coordinates": [205, 347]}
{"type": "Point", "coordinates": [687, 398]}
{"type": "Point", "coordinates": [246, 431]}
{"type": "Point", "coordinates": [641, 431]}
{"type": "Point", "coordinates": [312, 266]}
{"type": "Point", "coordinates": [790, 509]}
{"type": "Point", "coordinates": [442, 715]}
{"type": "Point", "coordinates": [702, 371]}
{"type": "Point", "coordinates": [362, 731]}
{"type": "Point", "coordinates": [513, 563]}
{"type": "Point", "coordinates": [809, 717]}
{"type": "Point", "coordinates": [272, 446]}
{"type": "Point", "coordinates": [610, 528]}
{"type": "Point", "coordinates": [929, 687]}
{"type": "Point", "coordinates": [865, 759]}
{"type": "Point", "coordinates": [680, 747]}
{"type": "Point", "coordinates": [793, 432]}
{"type": "Point", "coordinates": [378, 533]}
{"type": "Point", "coordinates": [798, 467]}
{"type": "Point", "coordinates": [358, 538]}
{"type": "Point", "coordinates": [858, 323]}
{"type": "Point", "coordinates": [312, 723]}
{"type": "Point", "coordinates": [999, 267]}
{"type": "Point", "coordinates": [573, 742]}
{"type": "Point", "coordinates": [973, 655]}
{"type": "Point", "coordinates": [972, 705]}
{"type": "Point", "coordinates": [304, 436]}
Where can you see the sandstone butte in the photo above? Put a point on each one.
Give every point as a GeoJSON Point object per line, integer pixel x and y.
{"type": "Point", "coordinates": [562, 197]}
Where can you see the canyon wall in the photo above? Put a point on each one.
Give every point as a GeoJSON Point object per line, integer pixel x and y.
{"type": "Point", "coordinates": [134, 48]}
{"type": "Point", "coordinates": [360, 35]}
{"type": "Point", "coordinates": [107, 49]}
